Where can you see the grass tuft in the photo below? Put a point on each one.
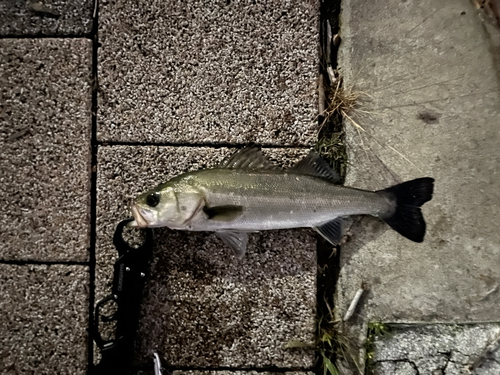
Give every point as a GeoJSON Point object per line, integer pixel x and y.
{"type": "Point", "coordinates": [340, 101]}
{"type": "Point", "coordinates": [341, 104]}
{"type": "Point", "coordinates": [330, 345]}
{"type": "Point", "coordinates": [375, 331]}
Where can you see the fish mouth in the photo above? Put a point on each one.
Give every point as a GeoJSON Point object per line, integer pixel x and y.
{"type": "Point", "coordinates": [139, 220]}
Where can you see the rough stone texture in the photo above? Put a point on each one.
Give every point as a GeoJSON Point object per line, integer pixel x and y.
{"type": "Point", "coordinates": [396, 368]}
{"type": "Point", "coordinates": [435, 99]}
{"type": "Point", "coordinates": [43, 319]}
{"type": "Point", "coordinates": [204, 307]}
{"type": "Point", "coordinates": [208, 72]}
{"type": "Point", "coordinates": [47, 17]}
{"type": "Point", "coordinates": [45, 122]}
{"type": "Point", "coordinates": [437, 349]}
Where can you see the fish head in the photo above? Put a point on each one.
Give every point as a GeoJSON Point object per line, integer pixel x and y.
{"type": "Point", "coordinates": [168, 205]}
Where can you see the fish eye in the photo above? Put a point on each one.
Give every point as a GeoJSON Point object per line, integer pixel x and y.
{"type": "Point", "coordinates": [153, 199]}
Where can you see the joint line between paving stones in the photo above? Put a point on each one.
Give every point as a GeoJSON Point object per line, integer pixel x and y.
{"type": "Point", "coordinates": [43, 263]}
{"type": "Point", "coordinates": [416, 323]}
{"type": "Point", "coordinates": [43, 36]}
{"type": "Point", "coordinates": [194, 145]}
{"type": "Point", "coordinates": [239, 369]}
{"type": "Point", "coordinates": [326, 282]}
{"type": "Point", "coordinates": [93, 192]}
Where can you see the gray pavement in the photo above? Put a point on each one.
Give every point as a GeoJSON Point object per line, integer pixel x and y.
{"type": "Point", "coordinates": [45, 125]}
{"type": "Point", "coordinates": [207, 309]}
{"type": "Point", "coordinates": [43, 319]}
{"type": "Point", "coordinates": [433, 101]}
{"type": "Point", "coordinates": [437, 349]}
{"type": "Point", "coordinates": [46, 18]}
{"type": "Point", "coordinates": [208, 72]}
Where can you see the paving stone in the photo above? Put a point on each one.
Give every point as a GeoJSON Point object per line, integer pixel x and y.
{"type": "Point", "coordinates": [435, 99]}
{"type": "Point", "coordinates": [208, 72]}
{"type": "Point", "coordinates": [47, 17]}
{"type": "Point", "coordinates": [45, 123]}
{"type": "Point", "coordinates": [204, 307]}
{"type": "Point", "coordinates": [43, 319]}
{"type": "Point", "coordinates": [437, 349]}
{"type": "Point", "coordinates": [395, 367]}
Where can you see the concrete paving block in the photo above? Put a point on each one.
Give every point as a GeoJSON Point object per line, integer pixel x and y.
{"type": "Point", "coordinates": [437, 349]}
{"type": "Point", "coordinates": [434, 111]}
{"type": "Point", "coordinates": [204, 307]}
{"type": "Point", "coordinates": [48, 17]}
{"type": "Point", "coordinates": [395, 367]}
{"type": "Point", "coordinates": [45, 122]}
{"type": "Point", "coordinates": [43, 319]}
{"type": "Point", "coordinates": [208, 72]}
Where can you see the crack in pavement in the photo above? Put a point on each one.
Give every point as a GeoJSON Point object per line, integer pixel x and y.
{"type": "Point", "coordinates": [448, 360]}
{"type": "Point", "coordinates": [402, 360]}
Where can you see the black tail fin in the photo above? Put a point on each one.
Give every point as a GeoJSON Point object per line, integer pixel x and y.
{"type": "Point", "coordinates": [407, 220]}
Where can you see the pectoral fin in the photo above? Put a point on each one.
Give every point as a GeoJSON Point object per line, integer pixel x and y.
{"type": "Point", "coordinates": [237, 241]}
{"type": "Point", "coordinates": [331, 231]}
{"type": "Point", "coordinates": [223, 213]}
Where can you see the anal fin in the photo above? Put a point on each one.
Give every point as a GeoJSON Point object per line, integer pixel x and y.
{"type": "Point", "coordinates": [331, 231]}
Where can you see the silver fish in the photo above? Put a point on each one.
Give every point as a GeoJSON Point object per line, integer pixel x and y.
{"type": "Point", "coordinates": [247, 193]}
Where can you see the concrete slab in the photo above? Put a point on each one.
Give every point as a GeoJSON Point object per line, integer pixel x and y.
{"type": "Point", "coordinates": [208, 72]}
{"type": "Point", "coordinates": [43, 319]}
{"type": "Point", "coordinates": [48, 17]}
{"type": "Point", "coordinates": [204, 307]}
{"type": "Point", "coordinates": [45, 123]}
{"type": "Point", "coordinates": [435, 108]}
{"type": "Point", "coordinates": [437, 349]}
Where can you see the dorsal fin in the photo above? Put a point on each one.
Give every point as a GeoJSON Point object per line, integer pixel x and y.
{"type": "Point", "coordinates": [314, 165]}
{"type": "Point", "coordinates": [248, 158]}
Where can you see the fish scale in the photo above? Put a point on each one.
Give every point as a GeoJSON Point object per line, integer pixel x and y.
{"type": "Point", "coordinates": [281, 200]}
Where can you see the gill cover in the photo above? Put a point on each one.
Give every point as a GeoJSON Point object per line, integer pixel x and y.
{"type": "Point", "coordinates": [172, 204]}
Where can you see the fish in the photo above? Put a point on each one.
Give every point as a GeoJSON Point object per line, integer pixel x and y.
{"type": "Point", "coordinates": [248, 193]}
